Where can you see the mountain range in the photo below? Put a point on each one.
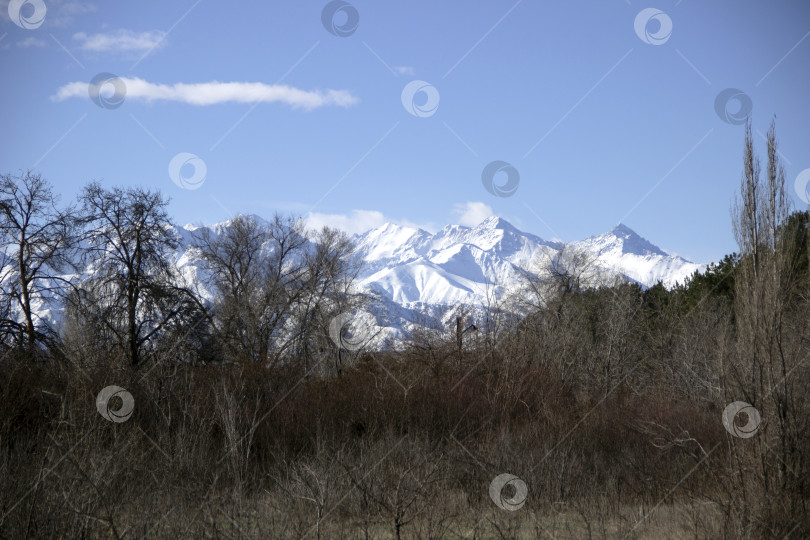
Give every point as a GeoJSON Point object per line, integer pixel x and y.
{"type": "Point", "coordinates": [459, 264]}
{"type": "Point", "coordinates": [416, 275]}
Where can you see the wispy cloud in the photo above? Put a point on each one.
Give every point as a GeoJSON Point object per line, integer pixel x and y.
{"type": "Point", "coordinates": [30, 42]}
{"type": "Point", "coordinates": [215, 92]}
{"type": "Point", "coordinates": [471, 213]}
{"type": "Point", "coordinates": [404, 70]}
{"type": "Point", "coordinates": [120, 41]}
{"type": "Point", "coordinates": [358, 222]}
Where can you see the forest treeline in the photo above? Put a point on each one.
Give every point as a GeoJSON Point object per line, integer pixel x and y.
{"type": "Point", "coordinates": [610, 403]}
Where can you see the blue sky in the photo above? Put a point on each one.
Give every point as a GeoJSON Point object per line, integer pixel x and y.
{"type": "Point", "coordinates": [601, 122]}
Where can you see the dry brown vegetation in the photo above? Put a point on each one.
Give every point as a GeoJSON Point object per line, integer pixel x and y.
{"type": "Point", "coordinates": [606, 402]}
{"type": "Point", "coordinates": [244, 451]}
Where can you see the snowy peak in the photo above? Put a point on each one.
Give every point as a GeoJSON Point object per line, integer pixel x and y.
{"type": "Point", "coordinates": [495, 222]}
{"type": "Point", "coordinates": [388, 239]}
{"type": "Point", "coordinates": [625, 240]}
{"type": "Point", "coordinates": [390, 244]}
{"type": "Point", "coordinates": [623, 251]}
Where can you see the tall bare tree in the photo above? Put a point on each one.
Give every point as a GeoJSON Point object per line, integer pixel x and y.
{"type": "Point", "coordinates": [129, 240]}
{"type": "Point", "coordinates": [276, 287]}
{"type": "Point", "coordinates": [771, 320]}
{"type": "Point", "coordinates": [330, 271]}
{"type": "Point", "coordinates": [257, 270]}
{"type": "Point", "coordinates": [36, 234]}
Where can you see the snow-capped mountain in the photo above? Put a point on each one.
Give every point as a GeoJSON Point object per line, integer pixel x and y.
{"type": "Point", "coordinates": [457, 265]}
{"type": "Point", "coordinates": [419, 276]}
{"type": "Point", "coordinates": [624, 251]}
{"type": "Point", "coordinates": [466, 265]}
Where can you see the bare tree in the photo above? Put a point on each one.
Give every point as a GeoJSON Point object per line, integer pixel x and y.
{"type": "Point", "coordinates": [37, 235]}
{"type": "Point", "coordinates": [129, 240]}
{"type": "Point", "coordinates": [275, 287]}
{"type": "Point", "coordinates": [555, 278]}
{"type": "Point", "coordinates": [571, 270]}
{"type": "Point", "coordinates": [771, 325]}
{"type": "Point", "coordinates": [257, 270]}
{"type": "Point", "coordinates": [329, 289]}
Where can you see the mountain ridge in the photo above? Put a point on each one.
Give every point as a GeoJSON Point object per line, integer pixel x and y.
{"type": "Point", "coordinates": [414, 273]}
{"type": "Point", "coordinates": [412, 269]}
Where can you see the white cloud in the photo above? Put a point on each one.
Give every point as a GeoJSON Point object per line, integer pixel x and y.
{"type": "Point", "coordinates": [215, 92]}
{"type": "Point", "coordinates": [30, 42]}
{"type": "Point", "coordinates": [121, 41]}
{"type": "Point", "coordinates": [358, 222]}
{"type": "Point", "coordinates": [404, 70]}
{"type": "Point", "coordinates": [471, 213]}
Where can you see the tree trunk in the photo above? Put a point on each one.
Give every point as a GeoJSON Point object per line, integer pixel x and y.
{"type": "Point", "coordinates": [26, 299]}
